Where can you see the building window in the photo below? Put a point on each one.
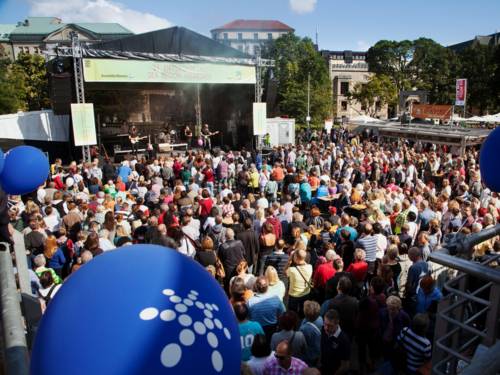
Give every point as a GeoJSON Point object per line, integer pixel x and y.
{"type": "Point", "coordinates": [256, 36]}
{"type": "Point", "coordinates": [344, 88]}
{"type": "Point", "coordinates": [343, 105]}
{"type": "Point", "coordinates": [270, 36]}
{"type": "Point", "coordinates": [225, 36]}
{"type": "Point", "coordinates": [240, 36]}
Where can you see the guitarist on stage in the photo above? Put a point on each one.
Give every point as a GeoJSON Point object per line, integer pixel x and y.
{"type": "Point", "coordinates": [206, 134]}
{"type": "Point", "coordinates": [133, 135]}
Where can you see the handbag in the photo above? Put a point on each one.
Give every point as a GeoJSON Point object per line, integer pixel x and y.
{"type": "Point", "coordinates": [314, 293]}
{"type": "Point", "coordinates": [219, 268]}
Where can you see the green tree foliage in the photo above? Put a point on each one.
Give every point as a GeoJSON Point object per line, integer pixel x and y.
{"type": "Point", "coordinates": [12, 90]}
{"type": "Point", "coordinates": [295, 59]}
{"type": "Point", "coordinates": [33, 68]}
{"type": "Point", "coordinates": [379, 88]}
{"type": "Point", "coordinates": [393, 58]}
{"type": "Point", "coordinates": [480, 64]}
{"type": "Point", "coordinates": [434, 69]}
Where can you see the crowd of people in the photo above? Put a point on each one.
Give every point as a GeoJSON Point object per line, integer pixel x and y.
{"type": "Point", "coordinates": [322, 248]}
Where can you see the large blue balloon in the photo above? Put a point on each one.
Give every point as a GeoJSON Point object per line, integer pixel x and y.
{"type": "Point", "coordinates": [25, 169]}
{"type": "Point", "coordinates": [2, 160]}
{"type": "Point", "coordinates": [142, 309]}
{"type": "Point", "coordinates": [488, 161]}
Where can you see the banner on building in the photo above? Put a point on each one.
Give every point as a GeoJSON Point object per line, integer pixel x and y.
{"type": "Point", "coordinates": [461, 91]}
{"type": "Point", "coordinates": [82, 116]}
{"type": "Point", "coordinates": [259, 118]}
{"type": "Point", "coordinates": [106, 70]}
{"type": "Point", "coordinates": [432, 111]}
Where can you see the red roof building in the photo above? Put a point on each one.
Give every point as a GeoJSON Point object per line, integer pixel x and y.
{"type": "Point", "coordinates": [249, 35]}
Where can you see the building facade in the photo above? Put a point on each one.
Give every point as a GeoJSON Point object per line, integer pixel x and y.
{"type": "Point", "coordinates": [250, 35]}
{"type": "Point", "coordinates": [346, 69]}
{"type": "Point", "coordinates": [41, 35]}
{"type": "Point", "coordinates": [485, 40]}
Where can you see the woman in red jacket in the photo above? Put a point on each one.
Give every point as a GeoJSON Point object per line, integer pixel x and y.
{"type": "Point", "coordinates": [359, 268]}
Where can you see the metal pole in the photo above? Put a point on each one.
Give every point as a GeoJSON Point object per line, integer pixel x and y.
{"type": "Point", "coordinates": [21, 263]}
{"type": "Point", "coordinates": [308, 99]}
{"type": "Point", "coordinates": [15, 348]}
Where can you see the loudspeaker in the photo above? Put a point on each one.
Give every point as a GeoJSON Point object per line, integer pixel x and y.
{"type": "Point", "coordinates": [60, 92]}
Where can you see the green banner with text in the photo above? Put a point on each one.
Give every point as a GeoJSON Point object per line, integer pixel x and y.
{"type": "Point", "coordinates": [107, 70]}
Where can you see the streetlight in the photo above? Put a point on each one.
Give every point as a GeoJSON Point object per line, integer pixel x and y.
{"type": "Point", "coordinates": [308, 118]}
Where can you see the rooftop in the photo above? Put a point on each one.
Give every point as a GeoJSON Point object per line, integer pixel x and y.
{"type": "Point", "coordinates": [255, 25]}
{"type": "Point", "coordinates": [5, 30]}
{"type": "Point", "coordinates": [47, 25]}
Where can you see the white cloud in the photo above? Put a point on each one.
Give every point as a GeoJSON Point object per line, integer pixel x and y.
{"type": "Point", "coordinates": [363, 45]}
{"type": "Point", "coordinates": [302, 6]}
{"type": "Point", "coordinates": [98, 11]}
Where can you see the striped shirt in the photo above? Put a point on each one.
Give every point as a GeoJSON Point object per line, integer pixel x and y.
{"type": "Point", "coordinates": [265, 308]}
{"type": "Point", "coordinates": [369, 245]}
{"type": "Point", "coordinates": [418, 349]}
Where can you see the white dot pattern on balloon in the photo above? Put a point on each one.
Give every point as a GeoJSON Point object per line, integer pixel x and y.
{"type": "Point", "coordinates": [217, 361]}
{"type": "Point", "coordinates": [175, 299]}
{"type": "Point", "coordinates": [171, 355]}
{"type": "Point", "coordinates": [212, 340]}
{"type": "Point", "coordinates": [208, 323]}
{"type": "Point", "coordinates": [167, 315]}
{"type": "Point", "coordinates": [200, 328]}
{"type": "Point", "coordinates": [180, 313]}
{"type": "Point", "coordinates": [186, 337]}
{"type": "Point", "coordinates": [185, 320]}
{"type": "Point", "coordinates": [218, 323]}
{"type": "Point", "coordinates": [148, 313]}
{"type": "Point", "coordinates": [181, 308]}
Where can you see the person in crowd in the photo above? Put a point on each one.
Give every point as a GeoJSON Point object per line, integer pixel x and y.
{"type": "Point", "coordinates": [415, 344]}
{"type": "Point", "coordinates": [287, 325]}
{"type": "Point", "coordinates": [311, 327]}
{"type": "Point", "coordinates": [261, 353]}
{"type": "Point", "coordinates": [427, 295]}
{"type": "Point", "coordinates": [48, 290]}
{"type": "Point", "coordinates": [54, 255]}
{"type": "Point", "coordinates": [276, 286]}
{"type": "Point", "coordinates": [299, 273]}
{"type": "Point", "coordinates": [335, 345]}
{"type": "Point", "coordinates": [265, 308]}
{"type": "Point", "coordinates": [283, 362]}
{"type": "Point", "coordinates": [231, 253]}
{"type": "Point", "coordinates": [248, 329]}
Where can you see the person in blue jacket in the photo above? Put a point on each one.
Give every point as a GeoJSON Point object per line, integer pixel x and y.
{"type": "Point", "coordinates": [427, 294]}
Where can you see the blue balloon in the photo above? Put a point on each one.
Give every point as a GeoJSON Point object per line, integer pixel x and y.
{"type": "Point", "coordinates": [142, 309]}
{"type": "Point", "coordinates": [488, 161]}
{"type": "Point", "coordinates": [25, 168]}
{"type": "Point", "coordinates": [2, 160]}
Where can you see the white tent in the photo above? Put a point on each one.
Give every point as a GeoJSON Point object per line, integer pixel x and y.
{"type": "Point", "coordinates": [457, 118]}
{"type": "Point", "coordinates": [474, 119]}
{"type": "Point", "coordinates": [365, 119]}
{"type": "Point", "coordinates": [491, 118]}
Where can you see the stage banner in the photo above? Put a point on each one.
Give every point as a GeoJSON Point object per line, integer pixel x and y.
{"type": "Point", "coordinates": [461, 91]}
{"type": "Point", "coordinates": [82, 116]}
{"type": "Point", "coordinates": [259, 118]}
{"type": "Point", "coordinates": [106, 70]}
{"type": "Point", "coordinates": [434, 111]}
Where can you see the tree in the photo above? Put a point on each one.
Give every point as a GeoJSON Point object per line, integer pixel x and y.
{"type": "Point", "coordinates": [434, 68]}
{"type": "Point", "coordinates": [478, 65]}
{"type": "Point", "coordinates": [12, 90]}
{"type": "Point", "coordinates": [392, 58]}
{"type": "Point", "coordinates": [377, 92]}
{"type": "Point", "coordinates": [34, 71]}
{"type": "Point", "coordinates": [296, 59]}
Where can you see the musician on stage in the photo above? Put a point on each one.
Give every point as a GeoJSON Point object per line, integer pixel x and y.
{"type": "Point", "coordinates": [188, 135]}
{"type": "Point", "coordinates": [206, 134]}
{"type": "Point", "coordinates": [133, 135]}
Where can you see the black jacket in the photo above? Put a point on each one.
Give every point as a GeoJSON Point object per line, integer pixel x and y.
{"type": "Point", "coordinates": [250, 242]}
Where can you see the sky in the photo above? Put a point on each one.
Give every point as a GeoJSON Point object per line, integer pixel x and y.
{"type": "Point", "coordinates": [341, 24]}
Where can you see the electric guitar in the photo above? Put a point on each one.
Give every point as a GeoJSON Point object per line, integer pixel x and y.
{"type": "Point", "coordinates": [206, 136]}
{"type": "Point", "coordinates": [136, 139]}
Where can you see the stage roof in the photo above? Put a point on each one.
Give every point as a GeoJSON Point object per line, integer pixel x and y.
{"type": "Point", "coordinates": [174, 40]}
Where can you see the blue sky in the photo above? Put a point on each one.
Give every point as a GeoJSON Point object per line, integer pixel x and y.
{"type": "Point", "coordinates": [346, 24]}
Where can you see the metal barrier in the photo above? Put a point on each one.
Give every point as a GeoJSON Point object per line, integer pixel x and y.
{"type": "Point", "coordinates": [469, 312]}
{"type": "Point", "coordinates": [15, 350]}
